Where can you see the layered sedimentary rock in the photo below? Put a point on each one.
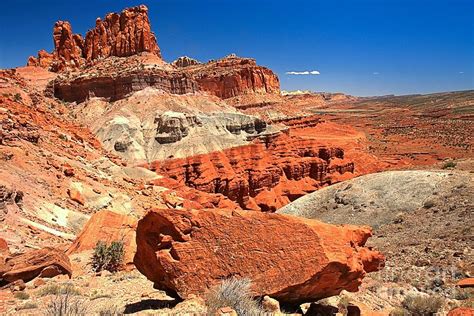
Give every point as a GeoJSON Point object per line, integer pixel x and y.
{"type": "Point", "coordinates": [224, 78]}
{"type": "Point", "coordinates": [233, 76]}
{"type": "Point", "coordinates": [265, 175]}
{"type": "Point", "coordinates": [288, 258]}
{"type": "Point", "coordinates": [124, 34]}
{"type": "Point", "coordinates": [107, 226]}
{"type": "Point", "coordinates": [115, 86]}
{"type": "Point", "coordinates": [127, 34]}
{"type": "Point", "coordinates": [46, 262]}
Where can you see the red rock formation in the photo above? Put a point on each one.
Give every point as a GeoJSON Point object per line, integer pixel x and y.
{"type": "Point", "coordinates": [462, 311]}
{"type": "Point", "coordinates": [78, 89]}
{"type": "Point", "coordinates": [224, 78]}
{"type": "Point", "coordinates": [233, 76]}
{"type": "Point", "coordinates": [185, 61]}
{"type": "Point", "coordinates": [265, 175]}
{"type": "Point", "coordinates": [124, 34]}
{"type": "Point", "coordinates": [468, 282]}
{"type": "Point", "coordinates": [43, 60]}
{"type": "Point", "coordinates": [288, 258]}
{"type": "Point", "coordinates": [46, 262]}
{"type": "Point", "coordinates": [107, 226]}
{"type": "Point", "coordinates": [68, 47]}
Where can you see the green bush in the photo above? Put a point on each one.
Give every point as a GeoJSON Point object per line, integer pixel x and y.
{"type": "Point", "coordinates": [234, 293]}
{"type": "Point", "coordinates": [17, 97]}
{"type": "Point", "coordinates": [108, 257]}
{"type": "Point", "coordinates": [449, 165]}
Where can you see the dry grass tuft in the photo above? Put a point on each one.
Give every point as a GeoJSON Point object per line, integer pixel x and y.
{"type": "Point", "coordinates": [234, 293]}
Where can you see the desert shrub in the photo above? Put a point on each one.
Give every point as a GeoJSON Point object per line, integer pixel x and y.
{"type": "Point", "coordinates": [463, 294]}
{"type": "Point", "coordinates": [67, 305]}
{"type": "Point", "coordinates": [17, 97]}
{"type": "Point", "coordinates": [421, 305]}
{"type": "Point", "coordinates": [21, 295]}
{"type": "Point", "coordinates": [111, 310]}
{"type": "Point", "coordinates": [234, 293]}
{"type": "Point", "coordinates": [56, 289]}
{"type": "Point", "coordinates": [27, 305]}
{"type": "Point", "coordinates": [399, 312]}
{"type": "Point", "coordinates": [108, 257]}
{"type": "Point", "coordinates": [449, 165]}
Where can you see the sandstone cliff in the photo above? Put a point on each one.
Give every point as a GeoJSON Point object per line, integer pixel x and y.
{"type": "Point", "coordinates": [124, 34]}
{"type": "Point", "coordinates": [116, 78]}
{"type": "Point", "coordinates": [265, 175]}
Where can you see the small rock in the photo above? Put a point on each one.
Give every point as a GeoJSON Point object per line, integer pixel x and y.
{"type": "Point", "coordinates": [226, 311]}
{"type": "Point", "coordinates": [69, 172]}
{"type": "Point", "coordinates": [270, 304]}
{"type": "Point", "coordinates": [38, 282]}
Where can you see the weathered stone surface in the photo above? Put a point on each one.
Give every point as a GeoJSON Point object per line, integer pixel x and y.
{"type": "Point", "coordinates": [468, 282]}
{"type": "Point", "coordinates": [288, 258]}
{"type": "Point", "coordinates": [107, 226]}
{"type": "Point", "coordinates": [264, 175]}
{"type": "Point", "coordinates": [67, 47]}
{"type": "Point", "coordinates": [124, 34]}
{"type": "Point", "coordinates": [47, 262]}
{"type": "Point", "coordinates": [233, 76]}
{"type": "Point", "coordinates": [44, 59]}
{"type": "Point", "coordinates": [185, 61]}
{"type": "Point", "coordinates": [224, 78]}
{"type": "Point", "coordinates": [462, 311]}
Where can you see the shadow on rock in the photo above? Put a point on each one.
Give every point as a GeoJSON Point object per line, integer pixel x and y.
{"type": "Point", "coordinates": [149, 304]}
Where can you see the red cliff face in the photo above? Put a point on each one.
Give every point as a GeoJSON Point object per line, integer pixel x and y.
{"type": "Point", "coordinates": [124, 34]}
{"type": "Point", "coordinates": [233, 76]}
{"type": "Point", "coordinates": [265, 175]}
{"type": "Point", "coordinates": [225, 78]}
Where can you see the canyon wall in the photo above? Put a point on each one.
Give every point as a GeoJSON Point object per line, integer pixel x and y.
{"type": "Point", "coordinates": [224, 78]}
{"type": "Point", "coordinates": [265, 175]}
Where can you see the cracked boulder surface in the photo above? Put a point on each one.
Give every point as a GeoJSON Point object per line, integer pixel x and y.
{"type": "Point", "coordinates": [186, 252]}
{"type": "Point", "coordinates": [46, 262]}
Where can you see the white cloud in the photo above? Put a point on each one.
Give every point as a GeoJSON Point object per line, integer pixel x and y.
{"type": "Point", "coordinates": [461, 72]}
{"type": "Point", "coordinates": [376, 73]}
{"type": "Point", "coordinates": [306, 72]}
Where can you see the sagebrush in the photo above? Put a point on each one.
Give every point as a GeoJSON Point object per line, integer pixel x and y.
{"type": "Point", "coordinates": [234, 293]}
{"type": "Point", "coordinates": [108, 257]}
{"type": "Point", "coordinates": [67, 305]}
{"type": "Point", "coordinates": [423, 305]}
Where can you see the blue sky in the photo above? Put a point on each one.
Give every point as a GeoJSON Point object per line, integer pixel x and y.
{"type": "Point", "coordinates": [360, 47]}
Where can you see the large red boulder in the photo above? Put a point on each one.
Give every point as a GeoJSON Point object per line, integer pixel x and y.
{"type": "Point", "coordinates": [462, 311]}
{"type": "Point", "coordinates": [46, 262]}
{"type": "Point", "coordinates": [107, 226]}
{"type": "Point", "coordinates": [288, 258]}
